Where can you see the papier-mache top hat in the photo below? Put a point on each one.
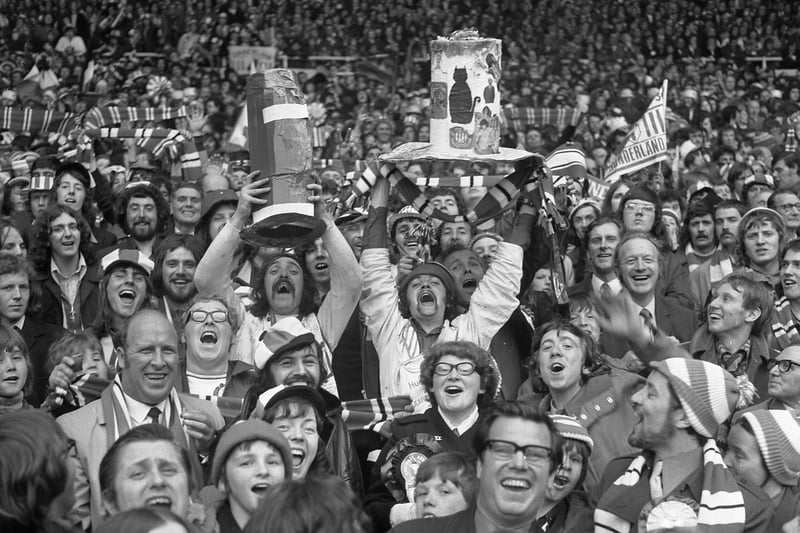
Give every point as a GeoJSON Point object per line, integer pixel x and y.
{"type": "Point", "coordinates": [465, 104]}
{"type": "Point", "coordinates": [280, 147]}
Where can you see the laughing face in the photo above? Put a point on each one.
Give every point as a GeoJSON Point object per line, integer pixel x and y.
{"type": "Point", "coordinates": [561, 358]}
{"type": "Point", "coordinates": [405, 236]}
{"type": "Point", "coordinates": [149, 359]}
{"type": "Point", "coordinates": [427, 298]}
{"type": "Point", "coordinates": [656, 415]}
{"type": "Point", "coordinates": [251, 469]}
{"type": "Point", "coordinates": [790, 274]}
{"type": "Point", "coordinates": [318, 262]}
{"type": "Point", "coordinates": [297, 367]}
{"type": "Point", "coordinates": [456, 395]}
{"type": "Point", "coordinates": [566, 476]}
{"type": "Point", "coordinates": [65, 236]}
{"type": "Point", "coordinates": [283, 282]}
{"type": "Point", "coordinates": [13, 372]}
{"type": "Point", "coordinates": [467, 270]}
{"type": "Point", "coordinates": [726, 312]}
{"type": "Point", "coordinates": [638, 268]}
{"type": "Point", "coordinates": [186, 205]}
{"type": "Point", "coordinates": [150, 474]}
{"type": "Point", "coordinates": [126, 290]}
{"type": "Point", "coordinates": [208, 341]}
{"type": "Point", "coordinates": [142, 218]}
{"type": "Point", "coordinates": [512, 490]}
{"type": "Point", "coordinates": [177, 275]}
{"type": "Point", "coordinates": [300, 429]}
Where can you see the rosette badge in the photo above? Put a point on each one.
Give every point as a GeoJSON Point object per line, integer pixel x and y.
{"type": "Point", "coordinates": [280, 147]}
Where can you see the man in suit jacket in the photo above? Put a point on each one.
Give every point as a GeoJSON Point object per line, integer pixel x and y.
{"type": "Point", "coordinates": [14, 299]}
{"type": "Point", "coordinates": [602, 239]}
{"type": "Point", "coordinates": [143, 392]}
{"type": "Point", "coordinates": [638, 261]}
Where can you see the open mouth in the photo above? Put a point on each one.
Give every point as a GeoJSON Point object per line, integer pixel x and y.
{"type": "Point", "coordinates": [560, 481]}
{"type": "Point", "coordinates": [556, 367]}
{"type": "Point", "coordinates": [469, 284]}
{"type": "Point", "coordinates": [156, 376]}
{"type": "Point", "coordinates": [260, 488]}
{"type": "Point", "coordinates": [67, 243]}
{"type": "Point", "coordinates": [181, 282]}
{"type": "Point", "coordinates": [641, 277]}
{"type": "Point", "coordinates": [208, 337]}
{"type": "Point", "coordinates": [426, 297]}
{"type": "Point", "coordinates": [158, 501]}
{"type": "Point", "coordinates": [789, 283]}
{"type": "Point", "coordinates": [453, 390]}
{"type": "Point", "coordinates": [283, 287]}
{"type": "Point", "coordinates": [514, 484]}
{"type": "Point", "coordinates": [127, 295]}
{"type": "Point", "coordinates": [319, 267]}
{"type": "Point", "coordinates": [297, 457]}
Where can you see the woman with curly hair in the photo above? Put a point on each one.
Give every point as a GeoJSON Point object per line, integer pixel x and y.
{"type": "Point", "coordinates": [462, 381]}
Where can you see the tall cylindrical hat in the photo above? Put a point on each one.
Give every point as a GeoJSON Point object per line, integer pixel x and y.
{"type": "Point", "coordinates": [280, 147]}
{"type": "Point", "coordinates": [465, 103]}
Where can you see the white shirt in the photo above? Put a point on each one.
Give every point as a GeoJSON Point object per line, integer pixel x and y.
{"type": "Point", "coordinates": [652, 308]}
{"type": "Point", "coordinates": [614, 285]}
{"type": "Point", "coordinates": [203, 385]}
{"type": "Point", "coordinates": [464, 426]}
{"type": "Point", "coordinates": [19, 324]}
{"type": "Point", "coordinates": [139, 410]}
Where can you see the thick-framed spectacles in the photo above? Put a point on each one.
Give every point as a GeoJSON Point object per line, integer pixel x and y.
{"type": "Point", "coordinates": [505, 450]}
{"type": "Point", "coordinates": [464, 369]}
{"type": "Point", "coordinates": [783, 365]}
{"type": "Point", "coordinates": [198, 315]}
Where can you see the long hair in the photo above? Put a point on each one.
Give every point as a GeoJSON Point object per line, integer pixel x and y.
{"type": "Point", "coordinates": [41, 251]}
{"type": "Point", "coordinates": [142, 190]}
{"type": "Point", "coordinates": [104, 323]}
{"type": "Point", "coordinates": [6, 225]}
{"type": "Point", "coordinates": [171, 243]}
{"type": "Point", "coordinates": [261, 308]}
{"type": "Point", "coordinates": [316, 504]}
{"type": "Point", "coordinates": [34, 471]}
{"type": "Point", "coordinates": [10, 338]}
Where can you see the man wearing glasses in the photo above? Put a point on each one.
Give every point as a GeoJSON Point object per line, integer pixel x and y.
{"type": "Point", "coordinates": [787, 203]}
{"type": "Point", "coordinates": [461, 380]}
{"type": "Point", "coordinates": [784, 383]}
{"type": "Point", "coordinates": [518, 448]}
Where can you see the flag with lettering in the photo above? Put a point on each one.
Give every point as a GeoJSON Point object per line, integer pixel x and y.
{"type": "Point", "coordinates": [645, 144]}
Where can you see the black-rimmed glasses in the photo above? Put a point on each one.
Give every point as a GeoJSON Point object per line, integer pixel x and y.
{"type": "Point", "coordinates": [198, 315]}
{"type": "Point", "coordinates": [505, 450]}
{"type": "Point", "coordinates": [443, 369]}
{"type": "Point", "coordinates": [783, 365]}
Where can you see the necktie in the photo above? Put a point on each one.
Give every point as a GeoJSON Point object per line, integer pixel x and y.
{"type": "Point", "coordinates": [605, 291]}
{"type": "Point", "coordinates": [455, 431]}
{"type": "Point", "coordinates": [153, 414]}
{"type": "Point", "coordinates": [656, 488]}
{"type": "Point", "coordinates": [647, 319]}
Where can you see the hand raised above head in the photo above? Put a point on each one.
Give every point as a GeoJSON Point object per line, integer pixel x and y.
{"type": "Point", "coordinates": [619, 316]}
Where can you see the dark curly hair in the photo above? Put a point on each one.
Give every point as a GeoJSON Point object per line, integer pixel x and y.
{"type": "Point", "coordinates": [308, 299]}
{"type": "Point", "coordinates": [40, 252]}
{"type": "Point", "coordinates": [484, 365]}
{"type": "Point", "coordinates": [142, 190]}
{"type": "Point", "coordinates": [593, 362]}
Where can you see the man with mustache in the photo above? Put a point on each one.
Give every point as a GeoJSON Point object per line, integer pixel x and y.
{"type": "Point", "coordinates": [142, 215]}
{"type": "Point", "coordinates": [173, 276]}
{"type": "Point", "coordinates": [405, 321]}
{"type": "Point", "coordinates": [697, 234]}
{"type": "Point", "coordinates": [727, 215]}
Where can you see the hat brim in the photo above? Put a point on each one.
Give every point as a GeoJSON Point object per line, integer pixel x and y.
{"type": "Point", "coordinates": [299, 391]}
{"type": "Point", "coordinates": [123, 262]}
{"type": "Point", "coordinates": [424, 151]}
{"type": "Point", "coordinates": [284, 230]}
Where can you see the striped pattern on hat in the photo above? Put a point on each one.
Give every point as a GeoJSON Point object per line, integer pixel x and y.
{"type": "Point", "coordinates": [126, 256]}
{"type": "Point", "coordinates": [706, 391]}
{"type": "Point", "coordinates": [286, 334]}
{"type": "Point", "coordinates": [778, 437]}
{"type": "Point", "coordinates": [41, 183]}
{"type": "Point", "coordinates": [569, 428]}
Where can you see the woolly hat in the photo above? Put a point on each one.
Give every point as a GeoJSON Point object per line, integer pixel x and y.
{"type": "Point", "coordinates": [707, 392]}
{"type": "Point", "coordinates": [569, 428]}
{"type": "Point", "coordinates": [754, 179]}
{"type": "Point", "coordinates": [766, 212]}
{"type": "Point", "coordinates": [126, 257]}
{"type": "Point", "coordinates": [285, 335]}
{"type": "Point", "coordinates": [406, 212]}
{"type": "Point", "coordinates": [672, 214]}
{"type": "Point", "coordinates": [583, 203]}
{"type": "Point", "coordinates": [778, 437]}
{"type": "Point", "coordinates": [431, 269]}
{"type": "Point", "coordinates": [249, 430]}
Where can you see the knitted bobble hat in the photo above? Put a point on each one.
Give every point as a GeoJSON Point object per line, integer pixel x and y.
{"type": "Point", "coordinates": [778, 436]}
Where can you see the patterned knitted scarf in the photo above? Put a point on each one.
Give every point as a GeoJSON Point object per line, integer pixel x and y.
{"type": "Point", "coordinates": [721, 503]}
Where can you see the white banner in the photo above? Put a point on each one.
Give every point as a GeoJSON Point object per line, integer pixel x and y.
{"type": "Point", "coordinates": [241, 58]}
{"type": "Point", "coordinates": [645, 144]}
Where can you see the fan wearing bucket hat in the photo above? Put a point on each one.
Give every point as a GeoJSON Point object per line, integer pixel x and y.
{"type": "Point", "coordinates": [66, 273]}
{"type": "Point", "coordinates": [217, 208]}
{"type": "Point", "coordinates": [142, 214]}
{"type": "Point", "coordinates": [566, 507]}
{"type": "Point", "coordinates": [680, 480]}
{"type": "Point", "coordinates": [764, 448]}
{"type": "Point", "coordinates": [405, 321]}
{"type": "Point", "coordinates": [289, 355]}
{"type": "Point", "coordinates": [251, 456]}
{"type": "Point", "coordinates": [282, 285]}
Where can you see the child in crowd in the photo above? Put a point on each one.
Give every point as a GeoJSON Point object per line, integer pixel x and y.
{"type": "Point", "coordinates": [566, 507]}
{"type": "Point", "coordinates": [83, 353]}
{"type": "Point", "coordinates": [446, 484]}
{"type": "Point", "coordinates": [15, 371]}
{"type": "Point", "coordinates": [251, 456]}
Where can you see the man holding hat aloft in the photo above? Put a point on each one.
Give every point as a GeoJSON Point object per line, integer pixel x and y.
{"type": "Point", "coordinates": [679, 481]}
{"type": "Point", "coordinates": [764, 448]}
{"type": "Point", "coordinates": [406, 321]}
{"type": "Point", "coordinates": [251, 456]}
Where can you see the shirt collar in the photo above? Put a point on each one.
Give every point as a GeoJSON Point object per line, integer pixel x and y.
{"type": "Point", "coordinates": [614, 285]}
{"type": "Point", "coordinates": [57, 272]}
{"type": "Point", "coordinates": [19, 324]}
{"type": "Point", "coordinates": [139, 410]}
{"type": "Point", "coordinates": [464, 426]}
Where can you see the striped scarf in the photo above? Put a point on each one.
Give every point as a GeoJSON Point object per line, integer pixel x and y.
{"type": "Point", "coordinates": [721, 503]}
{"type": "Point", "coordinates": [784, 328]}
{"type": "Point", "coordinates": [105, 116]}
{"type": "Point", "coordinates": [521, 118]}
{"type": "Point", "coordinates": [32, 120]}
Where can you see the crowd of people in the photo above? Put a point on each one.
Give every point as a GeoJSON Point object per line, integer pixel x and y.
{"type": "Point", "coordinates": [636, 371]}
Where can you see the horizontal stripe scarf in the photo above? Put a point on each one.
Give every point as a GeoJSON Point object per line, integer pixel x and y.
{"type": "Point", "coordinates": [721, 502]}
